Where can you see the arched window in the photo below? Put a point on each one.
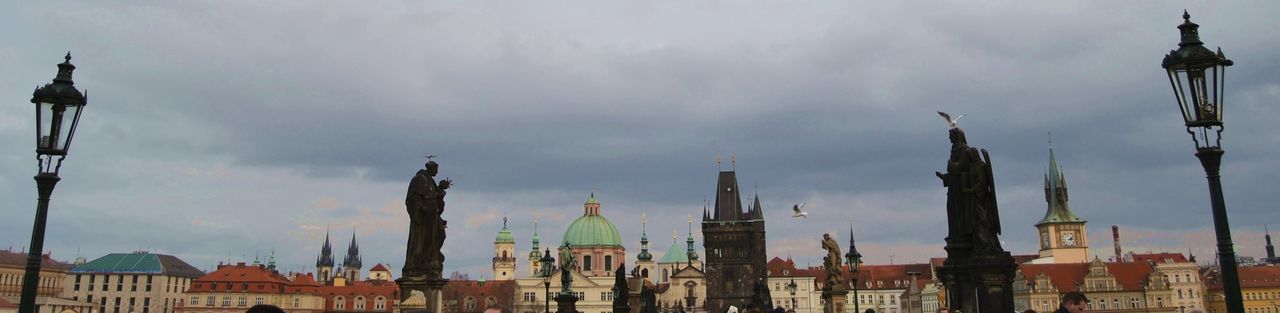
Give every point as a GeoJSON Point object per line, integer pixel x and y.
{"type": "Point", "coordinates": [490, 302]}
{"type": "Point", "coordinates": [469, 304]}
{"type": "Point", "coordinates": [359, 305]}
{"type": "Point", "coordinates": [379, 303]}
{"type": "Point", "coordinates": [586, 263]}
{"type": "Point", "coordinates": [339, 303]}
{"type": "Point", "coordinates": [608, 262]}
{"type": "Point", "coordinates": [504, 254]}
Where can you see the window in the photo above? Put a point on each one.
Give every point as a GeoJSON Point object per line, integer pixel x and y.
{"type": "Point", "coordinates": [241, 301]}
{"type": "Point", "coordinates": [359, 305]}
{"type": "Point", "coordinates": [296, 301]}
{"type": "Point", "coordinates": [210, 300]}
{"type": "Point", "coordinates": [586, 263]}
{"type": "Point", "coordinates": [379, 303]}
{"type": "Point", "coordinates": [148, 282]}
{"type": "Point", "coordinates": [146, 304]}
{"type": "Point", "coordinates": [339, 303]}
{"type": "Point", "coordinates": [530, 296]}
{"type": "Point", "coordinates": [490, 301]}
{"type": "Point", "coordinates": [226, 301]}
{"type": "Point", "coordinates": [134, 285]}
{"type": "Point", "coordinates": [1133, 303]}
{"type": "Point", "coordinates": [194, 300]}
{"type": "Point", "coordinates": [469, 304]}
{"type": "Point", "coordinates": [119, 282]}
{"type": "Point", "coordinates": [257, 301]}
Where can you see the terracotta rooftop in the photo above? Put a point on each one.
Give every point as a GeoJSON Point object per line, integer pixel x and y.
{"type": "Point", "coordinates": [240, 278]}
{"type": "Point", "coordinates": [379, 267]}
{"type": "Point", "coordinates": [1250, 277]}
{"type": "Point", "coordinates": [19, 259]}
{"type": "Point", "coordinates": [879, 276]}
{"type": "Point", "coordinates": [385, 288]}
{"type": "Point", "coordinates": [1160, 257]}
{"type": "Point", "coordinates": [1067, 276]}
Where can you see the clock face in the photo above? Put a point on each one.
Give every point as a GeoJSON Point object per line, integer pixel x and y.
{"type": "Point", "coordinates": [1044, 239]}
{"type": "Point", "coordinates": [1069, 239]}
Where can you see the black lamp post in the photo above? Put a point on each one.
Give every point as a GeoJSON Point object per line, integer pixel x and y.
{"type": "Point", "coordinates": [791, 287]}
{"type": "Point", "coordinates": [58, 106]}
{"type": "Point", "coordinates": [855, 261]}
{"type": "Point", "coordinates": [548, 268]}
{"type": "Point", "coordinates": [1197, 77]}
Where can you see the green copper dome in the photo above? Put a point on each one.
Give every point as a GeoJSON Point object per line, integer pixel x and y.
{"type": "Point", "coordinates": [504, 236]}
{"type": "Point", "coordinates": [592, 230]}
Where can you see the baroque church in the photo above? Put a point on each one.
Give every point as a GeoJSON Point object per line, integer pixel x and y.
{"type": "Point", "coordinates": [735, 260]}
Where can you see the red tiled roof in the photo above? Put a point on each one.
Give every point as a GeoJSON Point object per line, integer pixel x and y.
{"type": "Point", "coordinates": [782, 268]}
{"type": "Point", "coordinates": [379, 267]}
{"type": "Point", "coordinates": [303, 283]}
{"type": "Point", "coordinates": [1064, 276]}
{"type": "Point", "coordinates": [499, 288]}
{"type": "Point", "coordinates": [1159, 257]}
{"type": "Point", "coordinates": [19, 259]}
{"type": "Point", "coordinates": [1250, 277]}
{"type": "Point", "coordinates": [1067, 276]}
{"type": "Point", "coordinates": [880, 276]}
{"type": "Point", "coordinates": [240, 278]}
{"type": "Point", "coordinates": [368, 288]}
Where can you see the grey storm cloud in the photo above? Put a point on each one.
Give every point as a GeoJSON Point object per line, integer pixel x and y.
{"type": "Point", "coordinates": [222, 125]}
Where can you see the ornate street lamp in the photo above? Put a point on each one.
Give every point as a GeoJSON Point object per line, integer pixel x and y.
{"type": "Point", "coordinates": [548, 269]}
{"type": "Point", "coordinates": [791, 287]}
{"type": "Point", "coordinates": [1197, 77]}
{"type": "Point", "coordinates": [855, 262]}
{"type": "Point", "coordinates": [58, 106]}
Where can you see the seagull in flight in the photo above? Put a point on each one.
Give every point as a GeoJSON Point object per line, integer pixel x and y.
{"type": "Point", "coordinates": [797, 213]}
{"type": "Point", "coordinates": [950, 121]}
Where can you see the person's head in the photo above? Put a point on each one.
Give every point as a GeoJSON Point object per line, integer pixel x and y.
{"type": "Point", "coordinates": [496, 309]}
{"type": "Point", "coordinates": [433, 167]}
{"type": "Point", "coordinates": [264, 308]}
{"type": "Point", "coordinates": [1074, 301]}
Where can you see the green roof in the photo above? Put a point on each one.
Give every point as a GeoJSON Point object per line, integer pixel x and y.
{"type": "Point", "coordinates": [141, 263]}
{"type": "Point", "coordinates": [675, 254]}
{"type": "Point", "coordinates": [592, 230]}
{"type": "Point", "coordinates": [504, 236]}
{"type": "Point", "coordinates": [1055, 192]}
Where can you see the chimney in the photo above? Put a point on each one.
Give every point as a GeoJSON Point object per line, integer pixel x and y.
{"type": "Point", "coordinates": [1115, 237]}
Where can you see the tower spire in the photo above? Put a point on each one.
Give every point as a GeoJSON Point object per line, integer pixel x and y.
{"type": "Point", "coordinates": [1055, 193]}
{"type": "Point", "coordinates": [1271, 250]}
{"type": "Point", "coordinates": [644, 238]}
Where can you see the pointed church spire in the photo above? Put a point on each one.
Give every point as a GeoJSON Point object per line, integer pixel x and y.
{"type": "Point", "coordinates": [693, 255]}
{"type": "Point", "coordinates": [326, 253]}
{"type": "Point", "coordinates": [1055, 193]}
{"type": "Point", "coordinates": [352, 259]}
{"type": "Point", "coordinates": [271, 260]}
{"type": "Point", "coordinates": [644, 238]}
{"type": "Point", "coordinates": [728, 205]}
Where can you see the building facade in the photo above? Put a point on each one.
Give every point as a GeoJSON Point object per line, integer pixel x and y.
{"type": "Point", "coordinates": [137, 282]}
{"type": "Point", "coordinates": [1259, 288]}
{"type": "Point", "coordinates": [235, 288]}
{"type": "Point", "coordinates": [49, 291]}
{"type": "Point", "coordinates": [1111, 286]}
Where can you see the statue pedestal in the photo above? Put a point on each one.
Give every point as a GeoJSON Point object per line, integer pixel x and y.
{"type": "Point", "coordinates": [980, 284]}
{"type": "Point", "coordinates": [429, 298]}
{"type": "Point", "coordinates": [834, 299]}
{"type": "Point", "coordinates": [566, 303]}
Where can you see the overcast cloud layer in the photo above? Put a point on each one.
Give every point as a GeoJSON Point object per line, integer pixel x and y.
{"type": "Point", "coordinates": [222, 130]}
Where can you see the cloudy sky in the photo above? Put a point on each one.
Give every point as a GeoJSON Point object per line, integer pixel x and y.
{"type": "Point", "coordinates": [221, 130]}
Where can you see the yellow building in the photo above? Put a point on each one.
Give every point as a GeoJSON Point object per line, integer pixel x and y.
{"type": "Point", "coordinates": [1259, 287]}
{"type": "Point", "coordinates": [138, 282]}
{"type": "Point", "coordinates": [1111, 286]}
{"type": "Point", "coordinates": [49, 292]}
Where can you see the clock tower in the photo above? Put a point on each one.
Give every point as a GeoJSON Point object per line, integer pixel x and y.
{"type": "Point", "coordinates": [1062, 234]}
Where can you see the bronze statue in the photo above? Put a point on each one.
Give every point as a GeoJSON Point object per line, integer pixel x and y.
{"type": "Point", "coordinates": [831, 262]}
{"type": "Point", "coordinates": [566, 267]}
{"type": "Point", "coordinates": [425, 204]}
{"type": "Point", "coordinates": [972, 214]}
